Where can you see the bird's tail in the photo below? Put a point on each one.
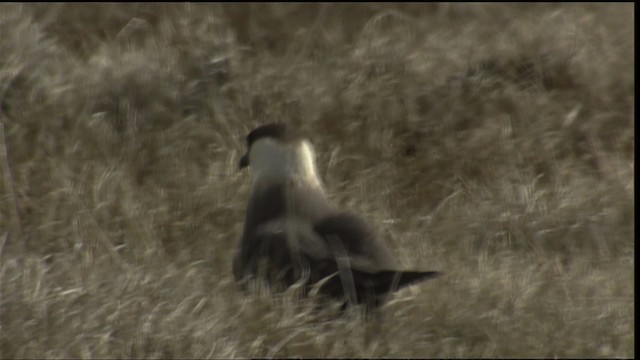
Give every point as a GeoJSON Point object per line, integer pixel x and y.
{"type": "Point", "coordinates": [389, 280]}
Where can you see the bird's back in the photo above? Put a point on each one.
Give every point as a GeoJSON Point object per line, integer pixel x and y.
{"type": "Point", "coordinates": [274, 207]}
{"type": "Point", "coordinates": [291, 230]}
{"type": "Point", "coordinates": [295, 231]}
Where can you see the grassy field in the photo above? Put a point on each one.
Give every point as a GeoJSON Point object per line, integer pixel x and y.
{"type": "Point", "coordinates": [494, 142]}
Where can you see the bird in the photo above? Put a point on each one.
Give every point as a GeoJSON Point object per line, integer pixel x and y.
{"type": "Point", "coordinates": [294, 234]}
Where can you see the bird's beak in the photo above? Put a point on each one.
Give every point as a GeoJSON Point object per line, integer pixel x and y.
{"type": "Point", "coordinates": [244, 161]}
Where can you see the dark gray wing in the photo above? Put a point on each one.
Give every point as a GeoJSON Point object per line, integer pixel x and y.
{"type": "Point", "coordinates": [374, 271]}
{"type": "Point", "coordinates": [366, 251]}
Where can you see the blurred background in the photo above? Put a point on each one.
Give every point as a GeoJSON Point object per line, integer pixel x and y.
{"type": "Point", "coordinates": [494, 142]}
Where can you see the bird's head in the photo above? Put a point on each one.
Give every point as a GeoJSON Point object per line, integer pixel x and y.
{"type": "Point", "coordinates": [275, 152]}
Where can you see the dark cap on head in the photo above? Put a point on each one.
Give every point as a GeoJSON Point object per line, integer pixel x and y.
{"type": "Point", "coordinates": [277, 131]}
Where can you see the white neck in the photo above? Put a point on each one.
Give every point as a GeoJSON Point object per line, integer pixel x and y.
{"type": "Point", "coordinates": [271, 160]}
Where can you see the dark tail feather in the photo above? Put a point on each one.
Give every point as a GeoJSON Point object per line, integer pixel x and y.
{"type": "Point", "coordinates": [389, 280]}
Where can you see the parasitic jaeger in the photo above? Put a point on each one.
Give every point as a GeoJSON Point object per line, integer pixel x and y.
{"type": "Point", "coordinates": [292, 232]}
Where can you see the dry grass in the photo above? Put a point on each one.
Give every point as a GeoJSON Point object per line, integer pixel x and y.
{"type": "Point", "coordinates": [497, 140]}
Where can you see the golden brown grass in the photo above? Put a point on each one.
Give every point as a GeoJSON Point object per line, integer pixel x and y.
{"type": "Point", "coordinates": [491, 141]}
